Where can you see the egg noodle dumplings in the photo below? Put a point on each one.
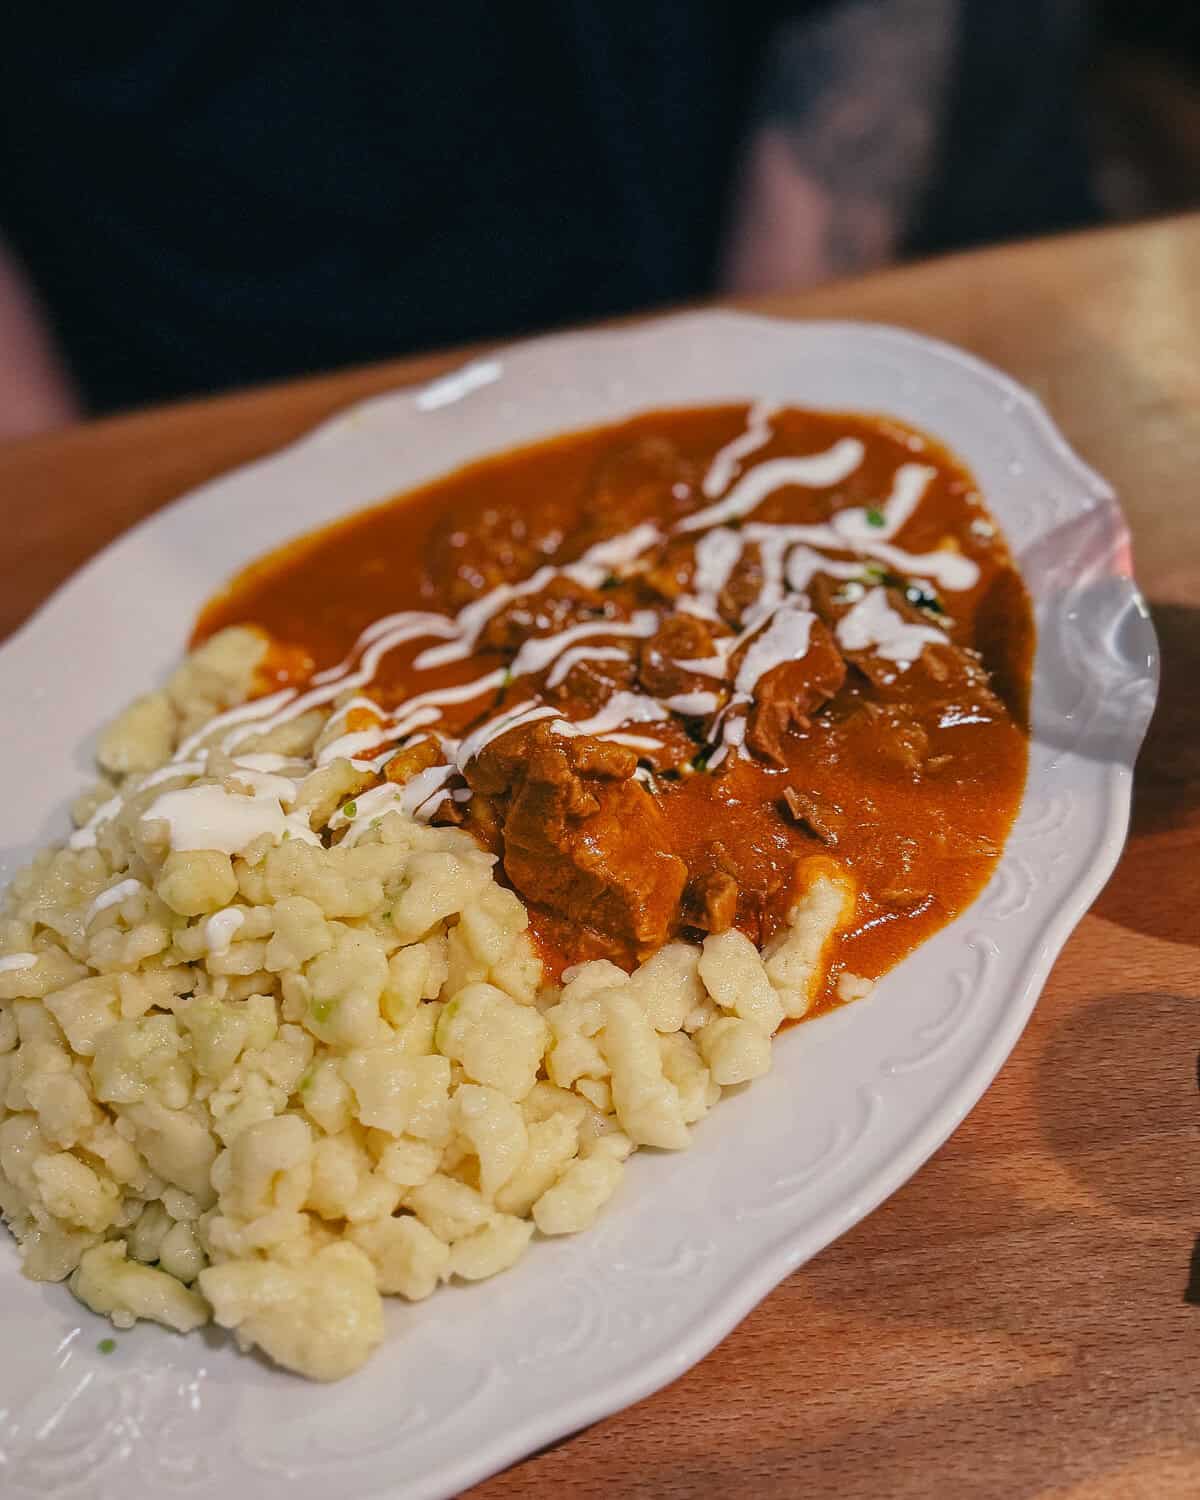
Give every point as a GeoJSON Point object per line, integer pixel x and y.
{"type": "Point", "coordinates": [352, 980]}
{"type": "Point", "coordinates": [266, 1089]}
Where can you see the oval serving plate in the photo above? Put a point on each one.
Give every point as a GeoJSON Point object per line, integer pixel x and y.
{"type": "Point", "coordinates": [478, 1376]}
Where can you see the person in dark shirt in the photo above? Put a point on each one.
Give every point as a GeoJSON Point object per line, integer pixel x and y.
{"type": "Point", "coordinates": [201, 196]}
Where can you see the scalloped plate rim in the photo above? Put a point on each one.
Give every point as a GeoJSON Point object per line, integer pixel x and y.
{"type": "Point", "coordinates": [793, 1245]}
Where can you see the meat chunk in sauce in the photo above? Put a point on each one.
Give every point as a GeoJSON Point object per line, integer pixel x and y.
{"type": "Point", "coordinates": [669, 574]}
{"type": "Point", "coordinates": [821, 817]}
{"type": "Point", "coordinates": [667, 745]}
{"type": "Point", "coordinates": [943, 672]}
{"type": "Point", "coordinates": [678, 639]}
{"type": "Point", "coordinates": [590, 681]}
{"type": "Point", "coordinates": [645, 480]}
{"type": "Point", "coordinates": [502, 545]}
{"type": "Point", "coordinates": [581, 837]}
{"type": "Point", "coordinates": [787, 697]}
{"type": "Point", "coordinates": [561, 604]}
{"type": "Point", "coordinates": [714, 901]}
{"type": "Point", "coordinates": [887, 734]}
{"type": "Point", "coordinates": [744, 586]}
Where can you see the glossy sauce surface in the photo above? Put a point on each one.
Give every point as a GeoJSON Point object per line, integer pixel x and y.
{"type": "Point", "coordinates": [914, 786]}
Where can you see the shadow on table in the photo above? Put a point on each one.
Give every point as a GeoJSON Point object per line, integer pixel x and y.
{"type": "Point", "coordinates": [1116, 1092]}
{"type": "Point", "coordinates": [1038, 1287]}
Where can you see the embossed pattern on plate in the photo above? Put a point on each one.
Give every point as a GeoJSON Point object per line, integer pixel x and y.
{"type": "Point", "coordinates": [478, 1376]}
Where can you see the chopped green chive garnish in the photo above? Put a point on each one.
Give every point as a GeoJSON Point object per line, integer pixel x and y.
{"type": "Point", "coordinates": [350, 810]}
{"type": "Point", "coordinates": [107, 1346]}
{"type": "Point", "coordinates": [875, 517]}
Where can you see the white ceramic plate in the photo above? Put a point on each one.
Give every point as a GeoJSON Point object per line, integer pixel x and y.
{"type": "Point", "coordinates": [477, 1376]}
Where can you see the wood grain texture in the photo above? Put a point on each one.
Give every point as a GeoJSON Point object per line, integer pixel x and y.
{"type": "Point", "coordinates": [1012, 1323]}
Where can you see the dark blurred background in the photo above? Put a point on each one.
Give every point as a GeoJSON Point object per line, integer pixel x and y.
{"type": "Point", "coordinates": [1143, 106]}
{"type": "Point", "coordinates": [195, 198]}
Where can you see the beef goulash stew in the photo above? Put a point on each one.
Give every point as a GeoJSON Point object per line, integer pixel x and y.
{"type": "Point", "coordinates": [660, 668]}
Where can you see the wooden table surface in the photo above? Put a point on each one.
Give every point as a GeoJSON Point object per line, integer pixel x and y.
{"type": "Point", "coordinates": [1015, 1321]}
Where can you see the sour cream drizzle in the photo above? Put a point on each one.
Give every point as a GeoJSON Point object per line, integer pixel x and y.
{"type": "Point", "coordinates": [786, 638]}
{"type": "Point", "coordinates": [318, 697]}
{"type": "Point", "coordinates": [528, 712]}
{"type": "Point", "coordinates": [623, 708]}
{"type": "Point", "coordinates": [406, 619]}
{"type": "Point", "coordinates": [537, 653]}
{"type": "Point", "coordinates": [211, 817]}
{"type": "Point", "coordinates": [220, 928]}
{"type": "Point", "coordinates": [414, 713]}
{"type": "Point", "coordinates": [951, 570]}
{"type": "Point", "coordinates": [880, 524]}
{"type": "Point", "coordinates": [590, 571]}
{"type": "Point", "coordinates": [727, 460]}
{"type": "Point", "coordinates": [619, 551]}
{"type": "Point", "coordinates": [733, 732]}
{"type": "Point", "coordinates": [577, 654]}
{"type": "Point", "coordinates": [717, 553]}
{"type": "Point", "coordinates": [692, 705]}
{"type": "Point", "coordinates": [873, 623]}
{"type": "Point", "coordinates": [716, 665]}
{"type": "Point", "coordinates": [817, 471]}
{"type": "Point", "coordinates": [412, 798]}
{"type": "Point", "coordinates": [804, 564]}
{"type": "Point", "coordinates": [112, 897]}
